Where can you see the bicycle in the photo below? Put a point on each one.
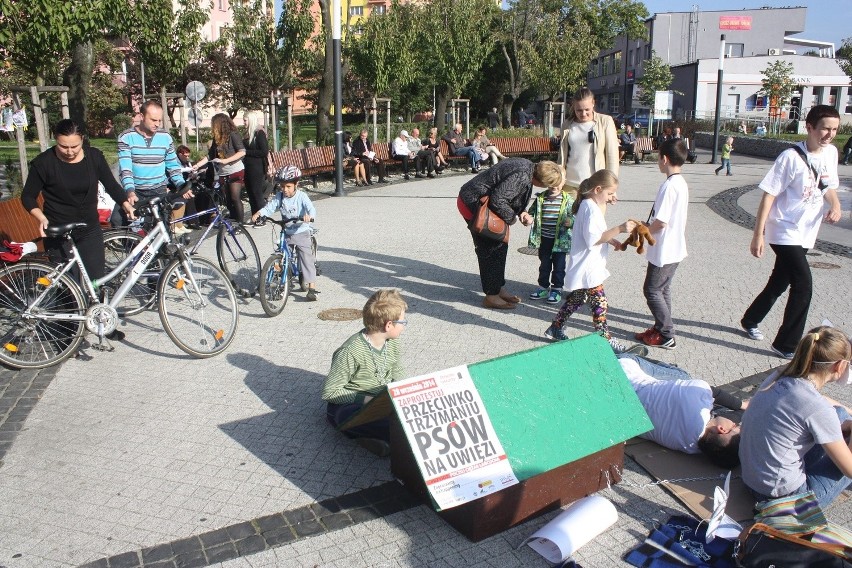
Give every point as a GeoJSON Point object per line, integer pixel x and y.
{"type": "Point", "coordinates": [282, 267]}
{"type": "Point", "coordinates": [236, 251]}
{"type": "Point", "coordinates": [44, 312]}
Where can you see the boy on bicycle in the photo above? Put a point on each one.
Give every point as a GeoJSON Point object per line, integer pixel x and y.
{"type": "Point", "coordinates": [295, 204]}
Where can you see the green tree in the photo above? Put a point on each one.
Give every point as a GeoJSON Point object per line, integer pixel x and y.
{"type": "Point", "coordinates": [778, 87]}
{"type": "Point", "coordinates": [844, 56]}
{"type": "Point", "coordinates": [656, 76]}
{"type": "Point", "coordinates": [382, 56]}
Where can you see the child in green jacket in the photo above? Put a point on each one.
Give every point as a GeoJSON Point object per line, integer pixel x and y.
{"type": "Point", "coordinates": [551, 233]}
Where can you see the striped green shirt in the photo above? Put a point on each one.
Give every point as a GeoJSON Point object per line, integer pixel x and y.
{"type": "Point", "coordinates": [358, 370]}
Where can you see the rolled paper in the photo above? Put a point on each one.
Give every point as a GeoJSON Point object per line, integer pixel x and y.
{"type": "Point", "coordinates": [577, 525]}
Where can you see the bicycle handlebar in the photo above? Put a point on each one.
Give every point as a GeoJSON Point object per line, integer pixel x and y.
{"type": "Point", "coordinates": [261, 221]}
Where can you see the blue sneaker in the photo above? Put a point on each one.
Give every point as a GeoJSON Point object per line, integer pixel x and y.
{"type": "Point", "coordinates": [539, 294]}
{"type": "Point", "coordinates": [554, 333]}
{"type": "Point", "coordinates": [554, 297]}
{"type": "Point", "coordinates": [782, 354]}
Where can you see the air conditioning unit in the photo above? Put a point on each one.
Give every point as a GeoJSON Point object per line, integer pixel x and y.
{"type": "Point", "coordinates": [774, 51]}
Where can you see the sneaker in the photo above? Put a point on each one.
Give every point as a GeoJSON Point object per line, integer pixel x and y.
{"type": "Point", "coordinates": [656, 339]}
{"type": "Point", "coordinates": [642, 335]}
{"type": "Point", "coordinates": [782, 354]}
{"type": "Point", "coordinates": [554, 297]}
{"type": "Point", "coordinates": [617, 346]}
{"type": "Point", "coordinates": [754, 333]}
{"type": "Point", "coordinates": [311, 296]}
{"type": "Point", "coordinates": [637, 349]}
{"type": "Point", "coordinates": [539, 294]}
{"type": "Point", "coordinates": [374, 446]}
{"type": "Point", "coordinates": [554, 333]}
{"type": "Point", "coordinates": [182, 230]}
{"type": "Point", "coordinates": [729, 175]}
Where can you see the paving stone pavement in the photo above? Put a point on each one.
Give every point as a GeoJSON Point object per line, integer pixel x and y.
{"type": "Point", "coordinates": [145, 456]}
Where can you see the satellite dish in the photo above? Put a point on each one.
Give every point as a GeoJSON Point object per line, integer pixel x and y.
{"type": "Point", "coordinates": [195, 91]}
{"type": "Point", "coordinates": [195, 116]}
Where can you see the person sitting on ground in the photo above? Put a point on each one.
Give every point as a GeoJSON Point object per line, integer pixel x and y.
{"type": "Point", "coordinates": [433, 144]}
{"type": "Point", "coordinates": [794, 439]}
{"type": "Point", "coordinates": [401, 153]}
{"type": "Point", "coordinates": [627, 140]}
{"type": "Point", "coordinates": [362, 367]}
{"type": "Point", "coordinates": [680, 408]}
{"type": "Point", "coordinates": [424, 159]}
{"type": "Point", "coordinates": [295, 204]}
{"type": "Point", "coordinates": [491, 151]}
{"type": "Point", "coordinates": [456, 143]}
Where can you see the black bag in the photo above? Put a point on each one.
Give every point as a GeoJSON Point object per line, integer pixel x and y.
{"type": "Point", "coordinates": [764, 546]}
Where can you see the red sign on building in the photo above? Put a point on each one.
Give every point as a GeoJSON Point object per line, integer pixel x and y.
{"type": "Point", "coordinates": [734, 22]}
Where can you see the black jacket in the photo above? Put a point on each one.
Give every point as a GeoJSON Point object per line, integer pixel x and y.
{"type": "Point", "coordinates": [508, 184]}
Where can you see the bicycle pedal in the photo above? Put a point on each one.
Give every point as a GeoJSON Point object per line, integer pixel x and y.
{"type": "Point", "coordinates": [107, 347]}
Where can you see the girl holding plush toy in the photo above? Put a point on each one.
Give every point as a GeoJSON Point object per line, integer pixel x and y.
{"type": "Point", "coordinates": [590, 244]}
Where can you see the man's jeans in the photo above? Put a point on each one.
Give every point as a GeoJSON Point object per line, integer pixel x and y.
{"type": "Point", "coordinates": [660, 371]}
{"type": "Point", "coordinates": [471, 153]}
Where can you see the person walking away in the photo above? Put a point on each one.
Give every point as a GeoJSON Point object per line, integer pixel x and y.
{"type": "Point", "coordinates": [794, 439]}
{"type": "Point", "coordinates": [589, 141]}
{"type": "Point", "coordinates": [788, 219]}
{"type": "Point", "coordinates": [493, 118]}
{"type": "Point", "coordinates": [727, 148]}
{"type": "Point", "coordinates": [362, 368]}
{"type": "Point", "coordinates": [551, 234]}
{"type": "Point", "coordinates": [255, 161]}
{"type": "Point", "coordinates": [667, 223]}
{"type": "Point", "coordinates": [508, 185]}
{"type": "Point", "coordinates": [295, 204]}
{"type": "Point", "coordinates": [590, 244]}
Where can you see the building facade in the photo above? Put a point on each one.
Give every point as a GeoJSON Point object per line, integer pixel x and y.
{"type": "Point", "coordinates": [690, 43]}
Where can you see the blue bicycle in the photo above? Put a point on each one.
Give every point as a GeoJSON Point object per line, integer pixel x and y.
{"type": "Point", "coordinates": [281, 268]}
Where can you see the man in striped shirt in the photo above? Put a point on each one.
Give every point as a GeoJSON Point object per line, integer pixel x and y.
{"type": "Point", "coordinates": [147, 158]}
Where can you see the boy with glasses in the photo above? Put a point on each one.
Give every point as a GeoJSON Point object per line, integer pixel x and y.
{"type": "Point", "coordinates": [363, 366]}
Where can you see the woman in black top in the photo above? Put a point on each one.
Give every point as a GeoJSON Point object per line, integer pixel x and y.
{"type": "Point", "coordinates": [257, 150]}
{"type": "Point", "coordinates": [360, 148]}
{"type": "Point", "coordinates": [67, 176]}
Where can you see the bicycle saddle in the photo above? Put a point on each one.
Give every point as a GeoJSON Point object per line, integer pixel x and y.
{"type": "Point", "coordinates": [59, 230]}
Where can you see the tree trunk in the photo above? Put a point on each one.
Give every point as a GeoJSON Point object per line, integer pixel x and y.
{"type": "Point", "coordinates": [442, 97]}
{"type": "Point", "coordinates": [325, 91]}
{"type": "Point", "coordinates": [78, 77]}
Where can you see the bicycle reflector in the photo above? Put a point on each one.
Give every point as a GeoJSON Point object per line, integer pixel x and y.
{"type": "Point", "coordinates": [43, 280]}
{"type": "Point", "coordinates": [11, 348]}
{"type": "Point", "coordinates": [180, 284]}
{"type": "Point", "coordinates": [219, 335]}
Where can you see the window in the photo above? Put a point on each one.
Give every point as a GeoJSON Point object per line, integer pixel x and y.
{"type": "Point", "coordinates": [614, 102]}
{"type": "Point", "coordinates": [356, 11]}
{"type": "Point", "coordinates": [593, 68]}
{"type": "Point", "coordinates": [616, 65]}
{"type": "Point", "coordinates": [356, 30]}
{"type": "Point", "coordinates": [817, 100]}
{"type": "Point", "coordinates": [223, 5]}
{"type": "Point", "coordinates": [648, 51]}
{"type": "Point", "coordinates": [630, 58]}
{"type": "Point", "coordinates": [832, 96]}
{"type": "Point", "coordinates": [848, 104]}
{"type": "Point", "coordinates": [733, 50]}
{"type": "Point", "coordinates": [379, 10]}
{"type": "Point", "coordinates": [605, 65]}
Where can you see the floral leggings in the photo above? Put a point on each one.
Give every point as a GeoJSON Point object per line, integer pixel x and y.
{"type": "Point", "coordinates": [595, 297]}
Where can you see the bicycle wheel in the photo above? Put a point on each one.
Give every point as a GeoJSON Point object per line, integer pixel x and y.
{"type": "Point", "coordinates": [118, 244]}
{"type": "Point", "coordinates": [274, 285]}
{"type": "Point", "coordinates": [33, 341]}
{"type": "Point", "coordinates": [201, 319]}
{"type": "Point", "coordinates": [239, 259]}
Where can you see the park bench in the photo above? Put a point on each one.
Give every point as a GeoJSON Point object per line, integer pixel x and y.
{"type": "Point", "coordinates": [18, 225]}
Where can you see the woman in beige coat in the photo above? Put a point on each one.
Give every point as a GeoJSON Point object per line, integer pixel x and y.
{"type": "Point", "coordinates": [589, 140]}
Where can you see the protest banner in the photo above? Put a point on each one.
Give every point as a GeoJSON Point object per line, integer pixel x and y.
{"type": "Point", "coordinates": [451, 436]}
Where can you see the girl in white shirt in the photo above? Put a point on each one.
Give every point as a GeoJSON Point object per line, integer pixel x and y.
{"type": "Point", "coordinates": [590, 245]}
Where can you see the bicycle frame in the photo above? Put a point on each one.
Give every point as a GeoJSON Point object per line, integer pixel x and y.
{"type": "Point", "coordinates": [218, 220]}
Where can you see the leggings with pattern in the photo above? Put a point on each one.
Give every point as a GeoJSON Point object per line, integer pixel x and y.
{"type": "Point", "coordinates": [595, 297]}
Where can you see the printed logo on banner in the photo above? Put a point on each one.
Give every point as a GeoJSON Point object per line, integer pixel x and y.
{"type": "Point", "coordinates": [454, 442]}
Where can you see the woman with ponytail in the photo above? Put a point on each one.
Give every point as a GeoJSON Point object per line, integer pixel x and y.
{"type": "Point", "coordinates": [793, 439]}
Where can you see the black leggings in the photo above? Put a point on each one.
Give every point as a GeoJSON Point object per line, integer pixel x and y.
{"type": "Point", "coordinates": [90, 245]}
{"type": "Point", "coordinates": [233, 196]}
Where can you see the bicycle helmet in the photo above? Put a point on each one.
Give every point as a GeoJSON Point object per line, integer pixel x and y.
{"type": "Point", "coordinates": [288, 174]}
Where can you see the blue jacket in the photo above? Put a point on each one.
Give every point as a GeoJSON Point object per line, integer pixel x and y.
{"type": "Point", "coordinates": [290, 207]}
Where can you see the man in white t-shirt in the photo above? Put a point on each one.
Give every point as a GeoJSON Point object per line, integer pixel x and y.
{"type": "Point", "coordinates": [788, 219]}
{"type": "Point", "coordinates": [667, 224]}
{"type": "Point", "coordinates": [680, 410]}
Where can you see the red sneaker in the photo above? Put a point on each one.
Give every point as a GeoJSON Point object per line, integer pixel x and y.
{"type": "Point", "coordinates": [641, 336]}
{"type": "Point", "coordinates": [657, 340]}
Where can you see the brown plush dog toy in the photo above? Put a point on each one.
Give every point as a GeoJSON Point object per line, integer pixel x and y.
{"type": "Point", "coordinates": [637, 238]}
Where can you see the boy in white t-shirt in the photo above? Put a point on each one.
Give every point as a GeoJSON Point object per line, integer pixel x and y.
{"type": "Point", "coordinates": [667, 223]}
{"type": "Point", "coordinates": [788, 219]}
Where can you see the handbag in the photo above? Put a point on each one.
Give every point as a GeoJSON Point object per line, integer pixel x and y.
{"type": "Point", "coordinates": [488, 224]}
{"type": "Point", "coordinates": [764, 546]}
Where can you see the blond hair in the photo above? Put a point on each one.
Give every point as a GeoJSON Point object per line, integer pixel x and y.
{"type": "Point", "coordinates": [550, 174]}
{"type": "Point", "coordinates": [819, 348]}
{"type": "Point", "coordinates": [602, 178]}
{"type": "Point", "coordinates": [383, 306]}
